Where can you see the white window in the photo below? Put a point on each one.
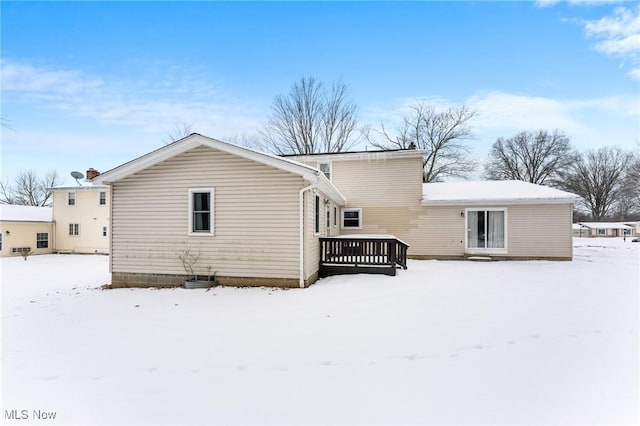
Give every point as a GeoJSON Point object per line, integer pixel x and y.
{"type": "Point", "coordinates": [602, 232]}
{"type": "Point", "coordinates": [21, 250]}
{"type": "Point", "coordinates": [0, 241]}
{"type": "Point", "coordinates": [74, 229]}
{"type": "Point", "coordinates": [316, 215]}
{"type": "Point", "coordinates": [42, 240]}
{"type": "Point", "coordinates": [102, 198]}
{"type": "Point", "coordinates": [335, 217]}
{"type": "Point", "coordinates": [487, 229]}
{"type": "Point", "coordinates": [71, 198]}
{"type": "Point", "coordinates": [201, 211]}
{"type": "Point", "coordinates": [326, 169]}
{"type": "Point", "coordinates": [105, 231]}
{"type": "Point", "coordinates": [352, 218]}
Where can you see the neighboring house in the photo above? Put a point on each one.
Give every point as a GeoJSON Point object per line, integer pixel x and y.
{"type": "Point", "coordinates": [81, 218]}
{"type": "Point", "coordinates": [608, 229]}
{"type": "Point", "coordinates": [25, 229]}
{"type": "Point", "coordinates": [635, 226]}
{"type": "Point", "coordinates": [257, 219]}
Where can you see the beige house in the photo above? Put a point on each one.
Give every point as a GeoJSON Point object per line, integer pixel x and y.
{"type": "Point", "coordinates": [81, 218]}
{"type": "Point", "coordinates": [453, 220]}
{"type": "Point", "coordinates": [608, 229]}
{"type": "Point", "coordinates": [251, 218]}
{"type": "Point", "coordinates": [25, 229]}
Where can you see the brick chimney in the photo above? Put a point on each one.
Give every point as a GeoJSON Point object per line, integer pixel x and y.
{"type": "Point", "coordinates": [92, 173]}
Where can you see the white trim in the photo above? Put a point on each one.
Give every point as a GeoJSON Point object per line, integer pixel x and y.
{"type": "Point", "coordinates": [497, 202]}
{"type": "Point", "coordinates": [328, 163]}
{"type": "Point", "coordinates": [48, 241]}
{"type": "Point", "coordinates": [301, 228]}
{"type": "Point", "coordinates": [75, 199]}
{"type": "Point", "coordinates": [482, 250]}
{"type": "Point", "coordinates": [366, 155]}
{"type": "Point", "coordinates": [343, 211]}
{"type": "Point", "coordinates": [106, 198]}
{"type": "Point", "coordinates": [76, 229]}
{"type": "Point", "coordinates": [317, 217]}
{"type": "Point", "coordinates": [211, 192]}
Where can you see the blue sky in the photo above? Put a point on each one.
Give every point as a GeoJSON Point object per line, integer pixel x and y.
{"type": "Point", "coordinates": [91, 84]}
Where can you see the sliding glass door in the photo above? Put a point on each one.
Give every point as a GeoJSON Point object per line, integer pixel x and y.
{"type": "Point", "coordinates": [486, 229]}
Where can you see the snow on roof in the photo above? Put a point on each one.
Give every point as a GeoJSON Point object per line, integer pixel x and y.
{"type": "Point", "coordinates": [13, 213]}
{"type": "Point", "coordinates": [492, 192]}
{"type": "Point", "coordinates": [606, 225]}
{"type": "Point", "coordinates": [577, 226]}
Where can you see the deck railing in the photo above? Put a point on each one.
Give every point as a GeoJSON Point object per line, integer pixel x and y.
{"type": "Point", "coordinates": [367, 254]}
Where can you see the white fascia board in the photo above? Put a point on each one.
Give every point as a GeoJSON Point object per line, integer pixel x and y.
{"type": "Point", "coordinates": [330, 190]}
{"type": "Point", "coordinates": [502, 202]}
{"type": "Point", "coordinates": [78, 188]}
{"type": "Point", "coordinates": [371, 155]}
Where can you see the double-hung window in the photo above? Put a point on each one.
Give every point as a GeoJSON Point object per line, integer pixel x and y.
{"type": "Point", "coordinates": [102, 198]}
{"type": "Point", "coordinates": [201, 211]}
{"type": "Point", "coordinates": [352, 218]}
{"type": "Point", "coordinates": [326, 169]}
{"type": "Point", "coordinates": [71, 198]}
{"type": "Point", "coordinates": [42, 240]}
{"type": "Point", "coordinates": [487, 229]}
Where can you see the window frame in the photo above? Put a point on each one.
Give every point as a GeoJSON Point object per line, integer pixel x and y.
{"type": "Point", "coordinates": [603, 233]}
{"type": "Point", "coordinates": [487, 250]}
{"type": "Point", "coordinates": [75, 231]}
{"type": "Point", "coordinates": [71, 196]}
{"type": "Point", "coordinates": [100, 203]}
{"type": "Point", "coordinates": [104, 232]}
{"type": "Point", "coordinates": [328, 163]}
{"type": "Point", "coordinates": [352, 209]}
{"type": "Point", "coordinates": [1, 241]}
{"type": "Point", "coordinates": [211, 192]}
{"type": "Point", "coordinates": [38, 240]}
{"type": "Point", "coordinates": [316, 214]}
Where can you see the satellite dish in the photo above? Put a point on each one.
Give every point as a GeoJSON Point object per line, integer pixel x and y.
{"type": "Point", "coordinates": [76, 176]}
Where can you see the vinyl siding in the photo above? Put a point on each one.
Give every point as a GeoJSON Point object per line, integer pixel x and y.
{"type": "Point", "coordinates": [377, 182]}
{"type": "Point", "coordinates": [255, 217]}
{"type": "Point", "coordinates": [312, 240]}
{"type": "Point", "coordinates": [88, 213]}
{"type": "Point", "coordinates": [540, 230]}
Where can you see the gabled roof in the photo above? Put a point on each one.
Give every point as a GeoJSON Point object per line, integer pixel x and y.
{"type": "Point", "coordinates": [492, 193]}
{"type": "Point", "coordinates": [13, 213]}
{"type": "Point", "coordinates": [195, 140]}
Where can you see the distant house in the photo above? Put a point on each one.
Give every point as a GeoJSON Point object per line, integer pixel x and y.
{"type": "Point", "coordinates": [25, 229]}
{"type": "Point", "coordinates": [608, 229]}
{"type": "Point", "coordinates": [81, 218]}
{"type": "Point", "coordinates": [258, 219]}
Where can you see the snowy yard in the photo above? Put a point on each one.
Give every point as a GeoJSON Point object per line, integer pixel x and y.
{"type": "Point", "coordinates": [444, 342]}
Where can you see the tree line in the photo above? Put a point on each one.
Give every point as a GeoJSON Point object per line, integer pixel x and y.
{"type": "Point", "coordinates": [313, 117]}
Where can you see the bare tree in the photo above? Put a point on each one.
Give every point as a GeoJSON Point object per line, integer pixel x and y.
{"type": "Point", "coordinates": [180, 130]}
{"type": "Point", "coordinates": [599, 177]}
{"type": "Point", "coordinates": [311, 119]}
{"type": "Point", "coordinates": [628, 206]}
{"type": "Point", "coordinates": [246, 140]}
{"type": "Point", "coordinates": [535, 157]}
{"type": "Point", "coordinates": [28, 189]}
{"type": "Point", "coordinates": [440, 133]}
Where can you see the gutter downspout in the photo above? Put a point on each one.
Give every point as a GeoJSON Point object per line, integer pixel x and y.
{"type": "Point", "coordinates": [301, 231]}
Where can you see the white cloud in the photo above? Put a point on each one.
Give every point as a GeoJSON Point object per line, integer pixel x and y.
{"type": "Point", "coordinates": [590, 123]}
{"type": "Point", "coordinates": [548, 3]}
{"type": "Point", "coordinates": [634, 74]}
{"type": "Point", "coordinates": [152, 103]}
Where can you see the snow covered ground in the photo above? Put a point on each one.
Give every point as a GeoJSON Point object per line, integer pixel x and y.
{"type": "Point", "coordinates": [444, 342]}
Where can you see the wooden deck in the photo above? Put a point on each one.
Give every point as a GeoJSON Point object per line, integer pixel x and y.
{"type": "Point", "coordinates": [362, 254]}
